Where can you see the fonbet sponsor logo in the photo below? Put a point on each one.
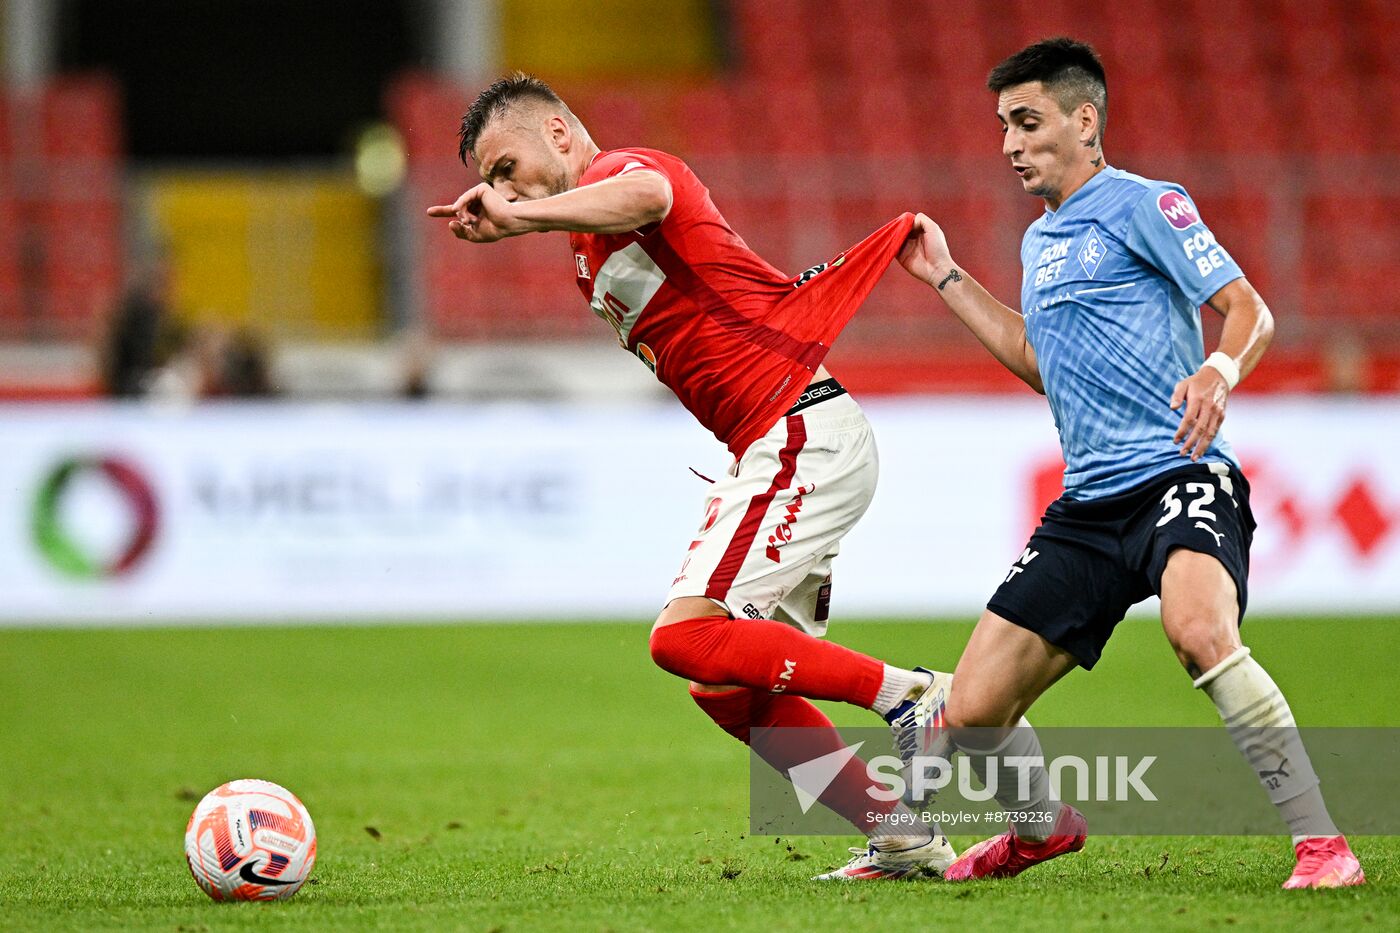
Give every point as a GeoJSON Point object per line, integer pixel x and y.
{"type": "Point", "coordinates": [1177, 209]}
{"type": "Point", "coordinates": [1072, 778]}
{"type": "Point", "coordinates": [81, 496]}
{"type": "Point", "coordinates": [1051, 261]}
{"type": "Point", "coordinates": [1201, 249]}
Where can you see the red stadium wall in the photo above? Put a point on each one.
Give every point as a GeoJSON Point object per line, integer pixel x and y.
{"type": "Point", "coordinates": [840, 114]}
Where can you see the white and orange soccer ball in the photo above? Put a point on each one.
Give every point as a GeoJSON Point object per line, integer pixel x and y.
{"type": "Point", "coordinates": [250, 841]}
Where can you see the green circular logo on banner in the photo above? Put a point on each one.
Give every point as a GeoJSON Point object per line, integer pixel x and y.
{"type": "Point", "coordinates": [60, 548]}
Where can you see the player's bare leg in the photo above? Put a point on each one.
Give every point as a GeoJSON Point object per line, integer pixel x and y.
{"type": "Point", "coordinates": [1200, 614]}
{"type": "Point", "coordinates": [1003, 671]}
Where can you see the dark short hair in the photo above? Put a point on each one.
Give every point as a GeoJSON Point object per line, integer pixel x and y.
{"type": "Point", "coordinates": [1070, 70]}
{"type": "Point", "coordinates": [496, 100]}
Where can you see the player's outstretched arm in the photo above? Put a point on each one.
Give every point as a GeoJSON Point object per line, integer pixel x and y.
{"type": "Point", "coordinates": [614, 205]}
{"type": "Point", "coordinates": [1002, 331]}
{"type": "Point", "coordinates": [1249, 326]}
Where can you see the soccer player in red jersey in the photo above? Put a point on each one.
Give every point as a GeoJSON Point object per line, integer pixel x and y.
{"type": "Point", "coordinates": [741, 345]}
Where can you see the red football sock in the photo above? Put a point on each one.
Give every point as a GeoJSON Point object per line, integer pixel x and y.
{"type": "Point", "coordinates": [767, 656]}
{"type": "Point", "coordinates": [806, 734]}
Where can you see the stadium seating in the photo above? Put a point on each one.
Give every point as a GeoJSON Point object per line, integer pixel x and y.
{"type": "Point", "coordinates": [60, 208]}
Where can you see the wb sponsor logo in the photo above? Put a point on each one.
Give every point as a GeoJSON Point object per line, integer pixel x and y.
{"type": "Point", "coordinates": [1180, 212]}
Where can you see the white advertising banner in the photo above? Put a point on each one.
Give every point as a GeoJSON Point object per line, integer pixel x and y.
{"type": "Point", "coordinates": [399, 512]}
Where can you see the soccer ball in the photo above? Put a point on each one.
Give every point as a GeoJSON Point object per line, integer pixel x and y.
{"type": "Point", "coordinates": [250, 841]}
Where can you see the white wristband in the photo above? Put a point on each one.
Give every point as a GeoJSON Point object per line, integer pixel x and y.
{"type": "Point", "coordinates": [1227, 367]}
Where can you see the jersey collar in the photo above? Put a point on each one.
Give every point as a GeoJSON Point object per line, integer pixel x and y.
{"type": "Point", "coordinates": [1094, 181]}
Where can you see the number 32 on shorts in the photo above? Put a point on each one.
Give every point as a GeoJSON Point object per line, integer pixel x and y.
{"type": "Point", "coordinates": [1204, 495]}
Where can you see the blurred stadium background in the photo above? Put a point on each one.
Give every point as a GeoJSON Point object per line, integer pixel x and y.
{"type": "Point", "coordinates": [213, 212]}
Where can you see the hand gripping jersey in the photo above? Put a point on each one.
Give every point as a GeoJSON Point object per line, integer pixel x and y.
{"type": "Point", "coordinates": [1111, 290]}
{"type": "Point", "coordinates": [733, 337]}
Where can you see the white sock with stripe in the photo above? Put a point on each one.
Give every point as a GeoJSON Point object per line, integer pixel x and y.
{"type": "Point", "coordinates": [897, 687]}
{"type": "Point", "coordinates": [1261, 724]}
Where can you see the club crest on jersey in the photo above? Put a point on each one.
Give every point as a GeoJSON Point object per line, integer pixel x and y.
{"type": "Point", "coordinates": [1092, 253]}
{"type": "Point", "coordinates": [645, 354]}
{"type": "Point", "coordinates": [581, 261]}
{"type": "Point", "coordinates": [1180, 212]}
{"type": "Point", "coordinates": [817, 270]}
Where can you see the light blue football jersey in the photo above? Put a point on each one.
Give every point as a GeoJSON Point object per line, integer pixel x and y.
{"type": "Point", "coordinates": [1111, 289]}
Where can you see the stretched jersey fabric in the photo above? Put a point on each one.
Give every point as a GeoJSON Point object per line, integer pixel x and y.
{"type": "Point", "coordinates": [1111, 289]}
{"type": "Point", "coordinates": [735, 339]}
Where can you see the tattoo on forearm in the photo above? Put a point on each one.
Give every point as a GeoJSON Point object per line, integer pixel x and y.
{"type": "Point", "coordinates": [953, 276]}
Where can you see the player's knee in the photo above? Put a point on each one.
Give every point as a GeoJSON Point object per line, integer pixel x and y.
{"type": "Point", "coordinates": [667, 648]}
{"type": "Point", "coordinates": [683, 634]}
{"type": "Point", "coordinates": [1201, 643]}
{"type": "Point", "coordinates": [678, 648]}
{"type": "Point", "coordinates": [969, 711]}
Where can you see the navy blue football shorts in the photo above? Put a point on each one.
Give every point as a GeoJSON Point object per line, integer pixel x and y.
{"type": "Point", "coordinates": [1090, 560]}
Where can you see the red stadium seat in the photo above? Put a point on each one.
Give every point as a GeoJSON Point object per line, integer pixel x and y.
{"type": "Point", "coordinates": [1245, 114]}
{"type": "Point", "coordinates": [81, 116]}
{"type": "Point", "coordinates": [1334, 114]}
{"type": "Point", "coordinates": [1150, 119]}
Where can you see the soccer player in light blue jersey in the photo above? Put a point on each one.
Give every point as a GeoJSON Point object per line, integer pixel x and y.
{"type": "Point", "coordinates": [1114, 274]}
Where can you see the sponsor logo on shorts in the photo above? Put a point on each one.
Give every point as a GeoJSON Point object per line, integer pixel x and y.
{"type": "Point", "coordinates": [581, 261]}
{"type": "Point", "coordinates": [816, 393]}
{"type": "Point", "coordinates": [647, 356]}
{"type": "Point", "coordinates": [823, 611]}
{"type": "Point", "coordinates": [782, 534]}
{"type": "Point", "coordinates": [1021, 564]}
{"type": "Point", "coordinates": [1180, 212]}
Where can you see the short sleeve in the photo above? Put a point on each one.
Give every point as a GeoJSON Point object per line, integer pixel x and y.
{"type": "Point", "coordinates": [620, 162]}
{"type": "Point", "coordinates": [1167, 232]}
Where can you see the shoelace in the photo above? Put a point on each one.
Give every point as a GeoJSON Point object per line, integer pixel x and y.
{"type": "Point", "coordinates": [906, 740]}
{"type": "Point", "coordinates": [858, 853]}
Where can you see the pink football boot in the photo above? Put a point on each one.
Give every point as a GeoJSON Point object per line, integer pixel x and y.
{"type": "Point", "coordinates": [1324, 862]}
{"type": "Point", "coordinates": [1007, 855]}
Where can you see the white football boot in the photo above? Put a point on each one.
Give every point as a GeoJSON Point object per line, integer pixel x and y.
{"type": "Point", "coordinates": [918, 726]}
{"type": "Point", "coordinates": [926, 860]}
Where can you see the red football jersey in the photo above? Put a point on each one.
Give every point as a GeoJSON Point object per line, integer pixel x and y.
{"type": "Point", "coordinates": [733, 337]}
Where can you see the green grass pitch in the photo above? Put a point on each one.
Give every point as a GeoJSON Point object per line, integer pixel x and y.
{"type": "Point", "coordinates": [527, 777]}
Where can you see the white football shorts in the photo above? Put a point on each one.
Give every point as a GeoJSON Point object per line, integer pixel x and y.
{"type": "Point", "coordinates": [774, 523]}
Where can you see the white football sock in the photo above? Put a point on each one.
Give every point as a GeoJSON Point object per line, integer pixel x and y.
{"type": "Point", "coordinates": [897, 686]}
{"type": "Point", "coordinates": [1033, 815]}
{"type": "Point", "coordinates": [1259, 721]}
